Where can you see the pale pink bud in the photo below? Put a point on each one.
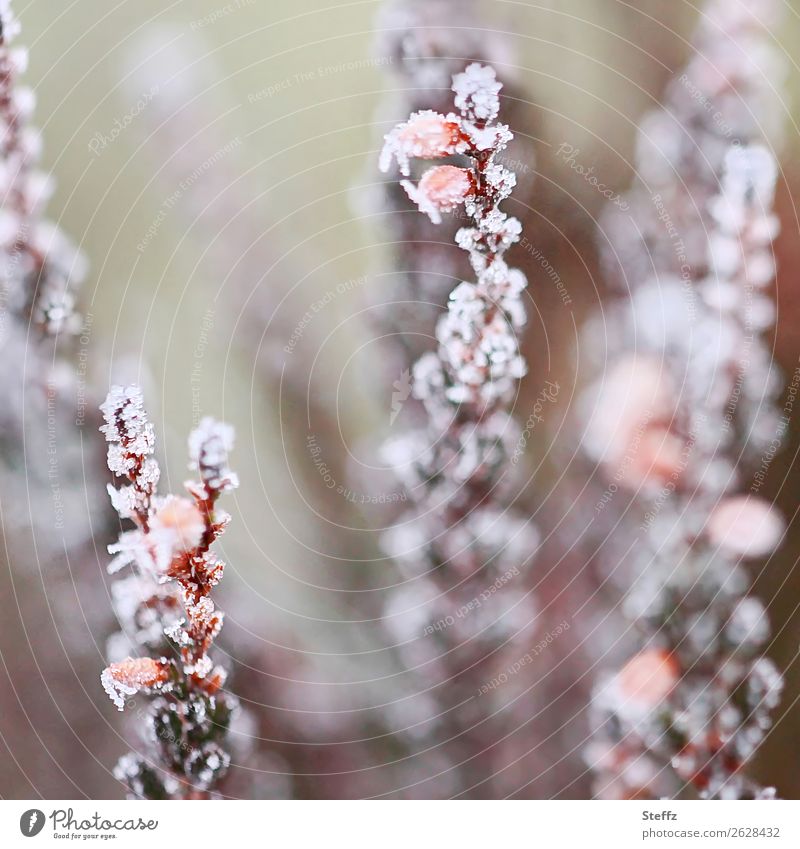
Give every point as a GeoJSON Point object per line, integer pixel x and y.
{"type": "Point", "coordinates": [626, 429]}
{"type": "Point", "coordinates": [426, 135]}
{"type": "Point", "coordinates": [131, 675]}
{"type": "Point", "coordinates": [647, 678]}
{"type": "Point", "coordinates": [179, 523]}
{"type": "Point", "coordinates": [656, 455]}
{"type": "Point", "coordinates": [746, 526]}
{"type": "Point", "coordinates": [441, 189]}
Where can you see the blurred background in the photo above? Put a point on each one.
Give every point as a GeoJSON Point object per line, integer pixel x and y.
{"type": "Point", "coordinates": [217, 164]}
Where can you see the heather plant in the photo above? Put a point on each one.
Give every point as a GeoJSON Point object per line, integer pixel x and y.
{"type": "Point", "coordinates": [164, 605]}
{"type": "Point", "coordinates": [40, 267]}
{"type": "Point", "coordinates": [696, 701]}
{"type": "Point", "coordinates": [677, 423]}
{"type": "Point", "coordinates": [470, 697]}
{"type": "Point", "coordinates": [459, 547]}
{"type": "Point", "coordinates": [51, 482]}
{"type": "Point", "coordinates": [426, 51]}
{"type": "Point", "coordinates": [39, 271]}
{"type": "Point", "coordinates": [726, 94]}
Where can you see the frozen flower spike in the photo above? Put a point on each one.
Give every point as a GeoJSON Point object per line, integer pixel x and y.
{"type": "Point", "coordinates": [477, 337]}
{"type": "Point", "coordinates": [165, 607]}
{"type": "Point", "coordinates": [458, 536]}
{"type": "Point", "coordinates": [40, 267]}
{"type": "Point", "coordinates": [131, 445]}
{"type": "Point", "coordinates": [684, 432]}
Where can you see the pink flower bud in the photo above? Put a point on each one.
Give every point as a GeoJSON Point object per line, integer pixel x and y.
{"type": "Point", "coordinates": [745, 526]}
{"type": "Point", "coordinates": [131, 675]}
{"type": "Point", "coordinates": [628, 429]}
{"type": "Point", "coordinates": [657, 458]}
{"type": "Point", "coordinates": [647, 678]}
{"type": "Point", "coordinates": [426, 135]}
{"type": "Point", "coordinates": [180, 523]}
{"type": "Point", "coordinates": [441, 189]}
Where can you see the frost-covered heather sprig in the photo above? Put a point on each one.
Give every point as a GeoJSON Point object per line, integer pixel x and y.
{"type": "Point", "coordinates": [40, 267]}
{"type": "Point", "coordinates": [425, 52]}
{"type": "Point", "coordinates": [726, 94]}
{"type": "Point", "coordinates": [697, 699]}
{"type": "Point", "coordinates": [478, 360]}
{"type": "Point", "coordinates": [681, 416]}
{"type": "Point", "coordinates": [169, 621]}
{"type": "Point", "coordinates": [39, 271]}
{"type": "Point", "coordinates": [460, 548]}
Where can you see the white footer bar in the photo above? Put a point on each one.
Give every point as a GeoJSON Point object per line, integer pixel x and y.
{"type": "Point", "coordinates": [402, 824]}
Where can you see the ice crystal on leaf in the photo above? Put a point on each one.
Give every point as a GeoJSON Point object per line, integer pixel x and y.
{"type": "Point", "coordinates": [132, 675]}
{"type": "Point", "coordinates": [477, 91]}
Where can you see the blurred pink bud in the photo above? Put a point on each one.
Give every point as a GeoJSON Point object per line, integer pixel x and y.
{"type": "Point", "coordinates": [647, 678]}
{"type": "Point", "coordinates": [745, 525]}
{"type": "Point", "coordinates": [658, 456]}
{"type": "Point", "coordinates": [627, 429]}
{"type": "Point", "coordinates": [441, 189]}
{"type": "Point", "coordinates": [179, 522]}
